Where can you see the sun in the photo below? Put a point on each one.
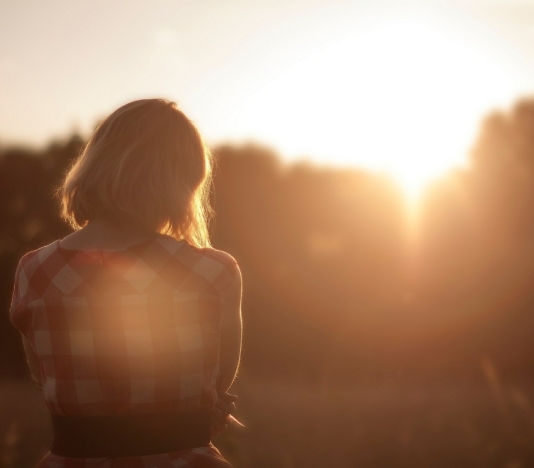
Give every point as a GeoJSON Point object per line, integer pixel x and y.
{"type": "Point", "coordinates": [403, 98]}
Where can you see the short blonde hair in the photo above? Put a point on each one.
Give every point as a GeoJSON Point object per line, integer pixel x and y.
{"type": "Point", "coordinates": [147, 164]}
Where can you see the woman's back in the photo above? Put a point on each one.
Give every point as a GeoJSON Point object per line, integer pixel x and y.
{"type": "Point", "coordinates": [132, 324]}
{"type": "Point", "coordinates": [131, 331]}
{"type": "Point", "coordinates": [135, 330]}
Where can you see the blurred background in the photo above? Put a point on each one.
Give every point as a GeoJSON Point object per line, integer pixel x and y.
{"type": "Point", "coordinates": [374, 180]}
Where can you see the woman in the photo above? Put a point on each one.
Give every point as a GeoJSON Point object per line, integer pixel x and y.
{"type": "Point", "coordinates": [132, 324]}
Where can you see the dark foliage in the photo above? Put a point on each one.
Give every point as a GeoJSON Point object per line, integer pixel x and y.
{"type": "Point", "coordinates": [336, 285]}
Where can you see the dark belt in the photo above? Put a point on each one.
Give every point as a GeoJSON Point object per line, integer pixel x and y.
{"type": "Point", "coordinates": [128, 435]}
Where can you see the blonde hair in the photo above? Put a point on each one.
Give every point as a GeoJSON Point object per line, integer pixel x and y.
{"type": "Point", "coordinates": [146, 164]}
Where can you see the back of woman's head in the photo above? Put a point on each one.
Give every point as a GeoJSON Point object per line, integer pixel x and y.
{"type": "Point", "coordinates": [145, 164]}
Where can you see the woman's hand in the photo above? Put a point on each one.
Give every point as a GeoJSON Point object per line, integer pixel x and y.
{"type": "Point", "coordinates": [221, 413]}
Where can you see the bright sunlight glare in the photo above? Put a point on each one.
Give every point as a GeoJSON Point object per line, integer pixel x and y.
{"type": "Point", "coordinates": [402, 98]}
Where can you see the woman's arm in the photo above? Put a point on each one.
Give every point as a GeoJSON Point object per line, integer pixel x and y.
{"type": "Point", "coordinates": [230, 351]}
{"type": "Point", "coordinates": [33, 362]}
{"type": "Point", "coordinates": [231, 332]}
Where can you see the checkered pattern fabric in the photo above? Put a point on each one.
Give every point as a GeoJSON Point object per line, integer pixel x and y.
{"type": "Point", "coordinates": [129, 331]}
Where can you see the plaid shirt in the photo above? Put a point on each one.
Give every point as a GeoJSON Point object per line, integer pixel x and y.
{"type": "Point", "coordinates": [128, 331]}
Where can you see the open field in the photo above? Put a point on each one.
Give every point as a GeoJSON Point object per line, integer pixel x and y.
{"type": "Point", "coordinates": [383, 425]}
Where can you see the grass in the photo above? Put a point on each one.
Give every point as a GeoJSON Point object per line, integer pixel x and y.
{"type": "Point", "coordinates": [385, 425]}
{"type": "Point", "coordinates": [390, 424]}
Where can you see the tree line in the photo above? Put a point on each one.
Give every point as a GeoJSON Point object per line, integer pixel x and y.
{"type": "Point", "coordinates": [339, 281]}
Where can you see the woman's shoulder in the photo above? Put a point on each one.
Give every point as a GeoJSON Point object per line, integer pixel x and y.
{"type": "Point", "coordinates": [220, 268]}
{"type": "Point", "coordinates": [221, 257]}
{"type": "Point", "coordinates": [197, 255]}
{"type": "Point", "coordinates": [216, 266]}
{"type": "Point", "coordinates": [31, 260]}
{"type": "Point", "coordinates": [30, 275]}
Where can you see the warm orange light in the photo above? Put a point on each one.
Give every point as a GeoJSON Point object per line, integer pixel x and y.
{"type": "Point", "coordinates": [403, 98]}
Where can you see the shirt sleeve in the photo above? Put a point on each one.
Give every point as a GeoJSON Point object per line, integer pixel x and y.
{"type": "Point", "coordinates": [227, 270]}
{"type": "Point", "coordinates": [18, 299]}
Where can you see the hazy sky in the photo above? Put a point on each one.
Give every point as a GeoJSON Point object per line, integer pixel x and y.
{"type": "Point", "coordinates": [310, 78]}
